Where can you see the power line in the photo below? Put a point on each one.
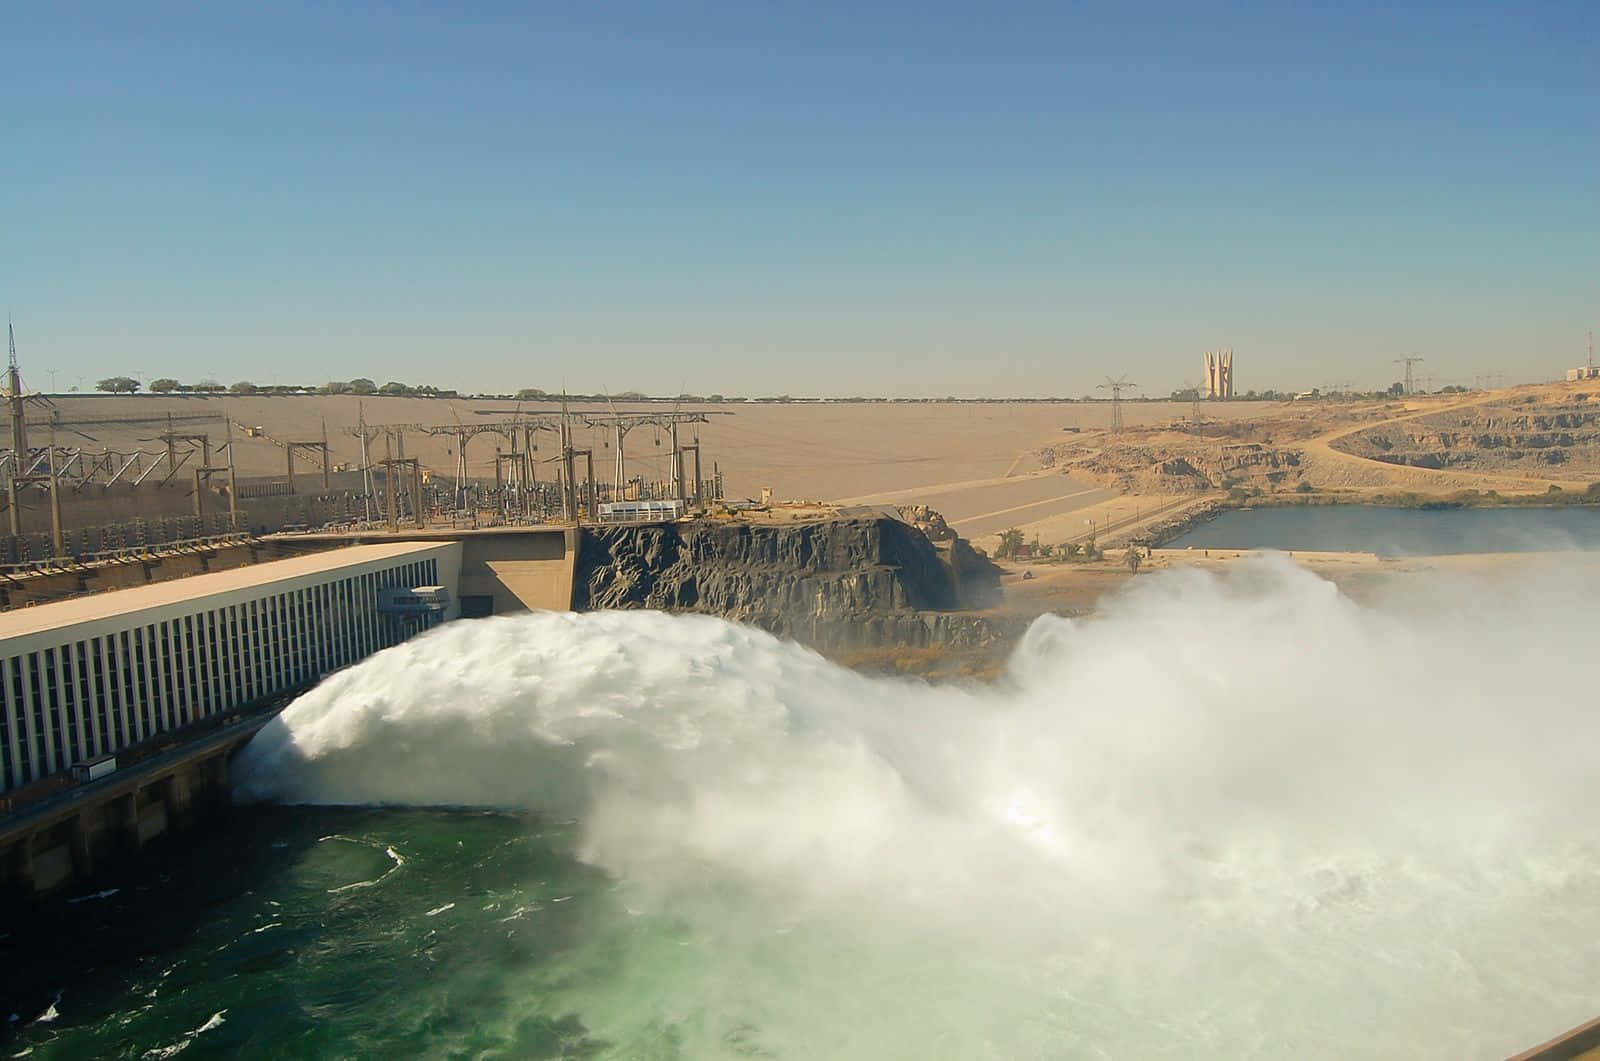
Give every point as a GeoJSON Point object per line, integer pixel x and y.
{"type": "Point", "coordinates": [1116, 387]}
{"type": "Point", "coordinates": [1410, 384]}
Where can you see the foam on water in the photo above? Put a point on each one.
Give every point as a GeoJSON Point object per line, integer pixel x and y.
{"type": "Point", "coordinates": [1230, 815]}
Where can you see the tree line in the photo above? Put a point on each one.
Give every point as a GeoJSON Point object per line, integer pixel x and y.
{"type": "Point", "coordinates": [167, 385]}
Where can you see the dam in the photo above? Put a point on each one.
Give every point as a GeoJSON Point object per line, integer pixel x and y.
{"type": "Point", "coordinates": [119, 709]}
{"type": "Point", "coordinates": [570, 827]}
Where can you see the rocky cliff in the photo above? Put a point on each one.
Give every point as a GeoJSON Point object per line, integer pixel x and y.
{"type": "Point", "coordinates": [1493, 436]}
{"type": "Point", "coordinates": [843, 583]}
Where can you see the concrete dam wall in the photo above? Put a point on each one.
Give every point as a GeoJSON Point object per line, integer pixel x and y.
{"type": "Point", "coordinates": [835, 584]}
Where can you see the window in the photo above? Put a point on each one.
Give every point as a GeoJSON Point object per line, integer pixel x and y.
{"type": "Point", "coordinates": [168, 670]}
{"type": "Point", "coordinates": [191, 670]}
{"type": "Point", "coordinates": [44, 758]}
{"type": "Point", "coordinates": [120, 681]}
{"type": "Point", "coordinates": [109, 738]}
{"type": "Point", "coordinates": [55, 710]}
{"type": "Point", "coordinates": [7, 702]}
{"type": "Point", "coordinates": [213, 661]}
{"type": "Point", "coordinates": [68, 721]}
{"type": "Point", "coordinates": [89, 716]}
{"type": "Point", "coordinates": [143, 645]}
{"type": "Point", "coordinates": [19, 715]}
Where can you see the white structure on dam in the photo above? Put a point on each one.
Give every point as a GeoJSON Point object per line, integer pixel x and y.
{"type": "Point", "coordinates": [85, 677]}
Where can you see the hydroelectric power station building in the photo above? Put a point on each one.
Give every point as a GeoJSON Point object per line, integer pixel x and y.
{"type": "Point", "coordinates": [86, 677]}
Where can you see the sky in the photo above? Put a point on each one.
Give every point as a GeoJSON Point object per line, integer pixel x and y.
{"type": "Point", "coordinates": [812, 199]}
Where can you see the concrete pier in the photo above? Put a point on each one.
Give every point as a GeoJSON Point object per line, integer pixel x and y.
{"type": "Point", "coordinates": [119, 710]}
{"type": "Point", "coordinates": [161, 683]}
{"type": "Point", "coordinates": [503, 569]}
{"type": "Point", "coordinates": [69, 838]}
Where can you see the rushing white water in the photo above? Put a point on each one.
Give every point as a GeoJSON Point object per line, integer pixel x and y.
{"type": "Point", "coordinates": [1230, 815]}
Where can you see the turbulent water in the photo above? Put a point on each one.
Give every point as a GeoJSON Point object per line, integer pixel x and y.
{"type": "Point", "coordinates": [1237, 816]}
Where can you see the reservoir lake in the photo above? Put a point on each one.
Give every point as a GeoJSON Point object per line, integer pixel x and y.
{"type": "Point", "coordinates": [1399, 531]}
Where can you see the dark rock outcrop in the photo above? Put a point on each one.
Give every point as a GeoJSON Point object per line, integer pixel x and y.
{"type": "Point", "coordinates": [833, 584]}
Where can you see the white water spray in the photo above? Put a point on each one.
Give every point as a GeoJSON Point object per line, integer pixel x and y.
{"type": "Point", "coordinates": [1229, 816]}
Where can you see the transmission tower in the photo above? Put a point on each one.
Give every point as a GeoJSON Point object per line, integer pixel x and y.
{"type": "Point", "coordinates": [1116, 387]}
{"type": "Point", "coordinates": [1410, 380]}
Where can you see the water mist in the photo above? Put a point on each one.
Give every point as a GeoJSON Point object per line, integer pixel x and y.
{"type": "Point", "coordinates": [1237, 815]}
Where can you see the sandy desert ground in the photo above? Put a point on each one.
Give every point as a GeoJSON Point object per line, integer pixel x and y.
{"type": "Point", "coordinates": [1053, 470]}
{"type": "Point", "coordinates": [977, 463]}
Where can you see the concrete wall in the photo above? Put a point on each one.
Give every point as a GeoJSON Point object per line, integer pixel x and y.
{"type": "Point", "coordinates": [516, 569]}
{"type": "Point", "coordinates": [71, 840]}
{"type": "Point", "coordinates": [86, 677]}
{"type": "Point", "coordinates": [528, 571]}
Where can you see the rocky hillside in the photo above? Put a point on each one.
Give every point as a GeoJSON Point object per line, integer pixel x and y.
{"type": "Point", "coordinates": [1518, 441]}
{"type": "Point", "coordinates": [1522, 433]}
{"type": "Point", "coordinates": [1175, 464]}
{"type": "Point", "coordinates": [843, 583]}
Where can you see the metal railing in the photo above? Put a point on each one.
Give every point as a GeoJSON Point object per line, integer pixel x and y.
{"type": "Point", "coordinates": [118, 553]}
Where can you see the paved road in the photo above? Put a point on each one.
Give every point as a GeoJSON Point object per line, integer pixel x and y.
{"type": "Point", "coordinates": [989, 506]}
{"type": "Point", "coordinates": [1323, 446]}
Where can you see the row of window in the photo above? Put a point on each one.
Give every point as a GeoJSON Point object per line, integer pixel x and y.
{"type": "Point", "coordinates": [80, 700]}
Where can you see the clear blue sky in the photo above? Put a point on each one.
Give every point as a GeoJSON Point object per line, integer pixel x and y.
{"type": "Point", "coordinates": [750, 198]}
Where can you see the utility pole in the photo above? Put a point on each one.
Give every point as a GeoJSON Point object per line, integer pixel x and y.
{"type": "Point", "coordinates": [233, 482]}
{"type": "Point", "coordinates": [461, 472]}
{"type": "Point", "coordinates": [19, 434]}
{"type": "Point", "coordinates": [594, 491]}
{"type": "Point", "coordinates": [388, 481]}
{"type": "Point", "coordinates": [693, 447]}
{"type": "Point", "coordinates": [622, 470]}
{"type": "Point", "coordinates": [1116, 387]}
{"type": "Point", "coordinates": [56, 538]}
{"type": "Point", "coordinates": [203, 474]}
{"type": "Point", "coordinates": [19, 429]}
{"type": "Point", "coordinates": [584, 503]}
{"type": "Point", "coordinates": [569, 491]}
{"type": "Point", "coordinates": [366, 463]}
{"type": "Point", "coordinates": [620, 423]}
{"type": "Point", "coordinates": [677, 463]}
{"type": "Point", "coordinates": [1410, 384]}
{"type": "Point", "coordinates": [417, 507]}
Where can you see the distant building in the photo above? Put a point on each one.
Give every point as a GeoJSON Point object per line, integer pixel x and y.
{"type": "Point", "coordinates": [641, 511]}
{"type": "Point", "coordinates": [1219, 375]}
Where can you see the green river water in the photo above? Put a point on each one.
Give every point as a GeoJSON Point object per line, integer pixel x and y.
{"type": "Point", "coordinates": [1229, 816]}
